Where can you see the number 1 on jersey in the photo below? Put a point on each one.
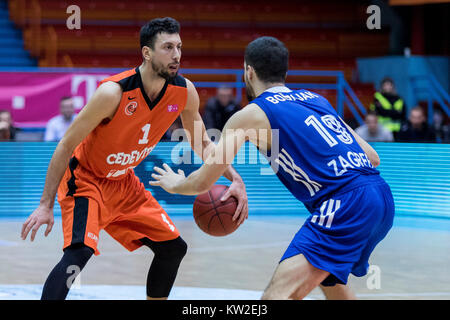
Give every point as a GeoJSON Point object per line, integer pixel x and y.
{"type": "Point", "coordinates": [332, 123]}
{"type": "Point", "coordinates": [146, 130]}
{"type": "Point", "coordinates": [311, 120]}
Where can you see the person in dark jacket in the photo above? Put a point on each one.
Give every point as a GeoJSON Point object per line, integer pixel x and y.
{"type": "Point", "coordinates": [416, 129]}
{"type": "Point", "coordinates": [220, 108]}
{"type": "Point", "coordinates": [441, 129]}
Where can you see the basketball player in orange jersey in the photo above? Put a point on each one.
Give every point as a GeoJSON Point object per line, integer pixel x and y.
{"type": "Point", "coordinates": [92, 166]}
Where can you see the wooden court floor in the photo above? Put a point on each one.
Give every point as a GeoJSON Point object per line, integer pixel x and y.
{"type": "Point", "coordinates": [412, 260]}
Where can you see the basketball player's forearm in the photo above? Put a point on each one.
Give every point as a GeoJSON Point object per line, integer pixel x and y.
{"type": "Point", "coordinates": [55, 172]}
{"type": "Point", "coordinates": [369, 151]}
{"type": "Point", "coordinates": [194, 184]}
{"type": "Point", "coordinates": [230, 173]}
{"type": "Point", "coordinates": [206, 149]}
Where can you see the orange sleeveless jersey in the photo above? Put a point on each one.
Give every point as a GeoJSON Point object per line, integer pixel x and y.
{"type": "Point", "coordinates": [115, 147]}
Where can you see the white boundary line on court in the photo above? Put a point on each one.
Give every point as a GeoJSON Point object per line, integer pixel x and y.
{"type": "Point", "coordinates": [134, 292]}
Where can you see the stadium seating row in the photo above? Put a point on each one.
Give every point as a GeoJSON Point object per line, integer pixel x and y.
{"type": "Point", "coordinates": [111, 28]}
{"type": "Point", "coordinates": [229, 41]}
{"type": "Point", "coordinates": [325, 35]}
{"type": "Point", "coordinates": [264, 11]}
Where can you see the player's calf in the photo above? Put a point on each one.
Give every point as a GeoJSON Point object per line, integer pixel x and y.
{"type": "Point", "coordinates": [164, 267]}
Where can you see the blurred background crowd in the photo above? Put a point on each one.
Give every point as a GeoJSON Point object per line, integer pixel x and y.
{"type": "Point", "coordinates": [398, 71]}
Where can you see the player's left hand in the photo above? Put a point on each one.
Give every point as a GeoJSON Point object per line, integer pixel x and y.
{"type": "Point", "coordinates": [167, 179]}
{"type": "Point", "coordinates": [237, 190]}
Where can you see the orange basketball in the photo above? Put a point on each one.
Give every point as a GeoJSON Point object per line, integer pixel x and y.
{"type": "Point", "coordinates": [214, 216]}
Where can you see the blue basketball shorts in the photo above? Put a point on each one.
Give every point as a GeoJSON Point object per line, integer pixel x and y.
{"type": "Point", "coordinates": [341, 234]}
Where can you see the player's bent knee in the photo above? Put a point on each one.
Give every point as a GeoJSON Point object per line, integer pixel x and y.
{"type": "Point", "coordinates": [57, 285]}
{"type": "Point", "coordinates": [78, 254]}
{"type": "Point", "coordinates": [176, 249]}
{"type": "Point", "coordinates": [179, 248]}
{"type": "Point", "coordinates": [172, 249]}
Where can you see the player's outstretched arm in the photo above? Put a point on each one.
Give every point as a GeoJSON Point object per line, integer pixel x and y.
{"type": "Point", "coordinates": [203, 146]}
{"type": "Point", "coordinates": [102, 105]}
{"type": "Point", "coordinates": [244, 125]}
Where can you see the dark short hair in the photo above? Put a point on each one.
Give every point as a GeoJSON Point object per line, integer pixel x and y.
{"type": "Point", "coordinates": [387, 79]}
{"type": "Point", "coordinates": [269, 57]}
{"type": "Point", "coordinates": [65, 98]}
{"type": "Point", "coordinates": [159, 25]}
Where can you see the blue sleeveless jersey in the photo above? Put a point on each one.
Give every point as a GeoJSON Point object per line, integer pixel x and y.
{"type": "Point", "coordinates": [314, 155]}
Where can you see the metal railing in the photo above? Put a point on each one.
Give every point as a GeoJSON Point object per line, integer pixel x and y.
{"type": "Point", "coordinates": [434, 93]}
{"type": "Point", "coordinates": [345, 96]}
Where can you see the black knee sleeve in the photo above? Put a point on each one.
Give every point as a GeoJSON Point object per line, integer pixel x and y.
{"type": "Point", "coordinates": [164, 267]}
{"type": "Point", "coordinates": [73, 261]}
{"type": "Point", "coordinates": [171, 249]}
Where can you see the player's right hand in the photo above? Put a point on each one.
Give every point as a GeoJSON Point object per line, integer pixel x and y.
{"type": "Point", "coordinates": [42, 215]}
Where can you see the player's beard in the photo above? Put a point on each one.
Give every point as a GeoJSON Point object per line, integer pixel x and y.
{"type": "Point", "coordinates": [161, 71]}
{"type": "Point", "coordinates": [249, 90]}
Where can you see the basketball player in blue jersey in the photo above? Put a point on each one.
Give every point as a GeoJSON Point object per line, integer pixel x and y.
{"type": "Point", "coordinates": [320, 160]}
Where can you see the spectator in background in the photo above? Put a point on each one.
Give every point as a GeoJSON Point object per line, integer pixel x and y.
{"type": "Point", "coordinates": [5, 116]}
{"type": "Point", "coordinates": [389, 106]}
{"type": "Point", "coordinates": [372, 131]}
{"type": "Point", "coordinates": [57, 126]}
{"type": "Point", "coordinates": [416, 129]}
{"type": "Point", "coordinates": [220, 108]}
{"type": "Point", "coordinates": [441, 129]}
{"type": "Point", "coordinates": [4, 130]}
